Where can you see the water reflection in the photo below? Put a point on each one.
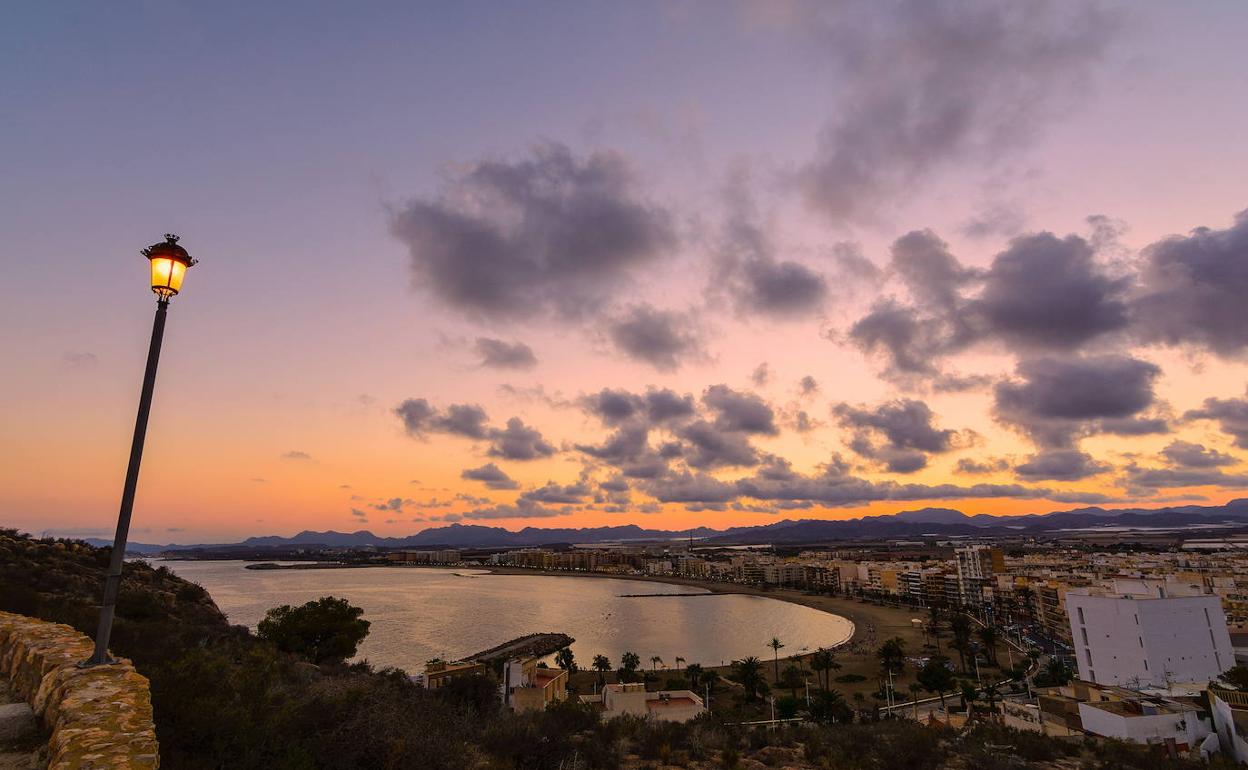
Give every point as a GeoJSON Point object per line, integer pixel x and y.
{"type": "Point", "coordinates": [418, 614]}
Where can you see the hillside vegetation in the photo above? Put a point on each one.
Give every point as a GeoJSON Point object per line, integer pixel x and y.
{"type": "Point", "coordinates": [225, 698]}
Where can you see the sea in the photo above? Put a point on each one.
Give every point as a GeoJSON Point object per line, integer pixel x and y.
{"type": "Point", "coordinates": [421, 613]}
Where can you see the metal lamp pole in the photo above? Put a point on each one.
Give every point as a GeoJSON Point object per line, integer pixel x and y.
{"type": "Point", "coordinates": [169, 264]}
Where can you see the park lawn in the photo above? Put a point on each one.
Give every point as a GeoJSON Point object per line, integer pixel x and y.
{"type": "Point", "coordinates": [873, 625]}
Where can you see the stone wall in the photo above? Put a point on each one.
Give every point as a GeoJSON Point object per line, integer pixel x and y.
{"type": "Point", "coordinates": [99, 717]}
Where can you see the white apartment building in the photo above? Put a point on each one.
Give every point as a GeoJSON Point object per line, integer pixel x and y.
{"type": "Point", "coordinates": [668, 705]}
{"type": "Point", "coordinates": [1138, 636]}
{"type": "Point", "coordinates": [1230, 719]}
{"type": "Point", "coordinates": [1156, 721]}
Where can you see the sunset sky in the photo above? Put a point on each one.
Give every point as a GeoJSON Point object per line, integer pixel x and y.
{"type": "Point", "coordinates": [577, 264]}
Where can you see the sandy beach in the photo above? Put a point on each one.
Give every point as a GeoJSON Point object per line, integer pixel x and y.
{"type": "Point", "coordinates": [857, 656]}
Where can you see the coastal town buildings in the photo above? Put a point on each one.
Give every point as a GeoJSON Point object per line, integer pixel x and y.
{"type": "Point", "coordinates": [1023, 587]}
{"type": "Point", "coordinates": [425, 557]}
{"type": "Point", "coordinates": [1148, 631]}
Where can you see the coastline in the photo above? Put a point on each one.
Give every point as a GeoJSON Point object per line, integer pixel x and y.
{"type": "Point", "coordinates": [869, 623]}
{"type": "Point", "coordinates": [857, 661]}
{"type": "Point", "coordinates": [714, 587]}
{"type": "Point", "coordinates": [856, 655]}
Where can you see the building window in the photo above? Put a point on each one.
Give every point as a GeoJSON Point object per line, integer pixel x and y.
{"type": "Point", "coordinates": [1087, 654]}
{"type": "Point", "coordinates": [1146, 664]}
{"type": "Point", "coordinates": [1141, 642]}
{"type": "Point", "coordinates": [1081, 620]}
{"type": "Point", "coordinates": [1084, 631]}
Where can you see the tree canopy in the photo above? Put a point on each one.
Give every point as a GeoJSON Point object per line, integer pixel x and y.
{"type": "Point", "coordinates": [749, 674]}
{"type": "Point", "coordinates": [565, 660]}
{"type": "Point", "coordinates": [326, 630]}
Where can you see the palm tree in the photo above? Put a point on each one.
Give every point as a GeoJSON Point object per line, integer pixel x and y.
{"type": "Point", "coordinates": [565, 660]}
{"type": "Point", "coordinates": [859, 699]}
{"type": "Point", "coordinates": [629, 663]}
{"type": "Point", "coordinates": [823, 662]}
{"type": "Point", "coordinates": [991, 694]}
{"type": "Point", "coordinates": [934, 626]}
{"type": "Point", "coordinates": [969, 695]}
{"type": "Point", "coordinates": [655, 660]}
{"type": "Point", "coordinates": [1058, 672]}
{"type": "Point", "coordinates": [776, 645]}
{"type": "Point", "coordinates": [749, 673]}
{"type": "Point", "coordinates": [892, 655]}
{"type": "Point", "coordinates": [934, 632]}
{"type": "Point", "coordinates": [679, 660]}
{"type": "Point", "coordinates": [694, 672]}
{"type": "Point", "coordinates": [602, 664]}
{"type": "Point", "coordinates": [936, 677]}
{"type": "Point", "coordinates": [710, 679]}
{"type": "Point", "coordinates": [915, 688]}
{"type": "Point", "coordinates": [988, 635]}
{"type": "Point", "coordinates": [825, 705]}
{"type": "Point", "coordinates": [960, 627]}
{"type": "Point", "coordinates": [794, 677]}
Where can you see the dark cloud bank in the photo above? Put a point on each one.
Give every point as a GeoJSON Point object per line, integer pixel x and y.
{"type": "Point", "coordinates": [923, 85]}
{"type": "Point", "coordinates": [498, 354]}
{"type": "Point", "coordinates": [1045, 295]}
{"type": "Point", "coordinates": [551, 233]}
{"type": "Point", "coordinates": [557, 236]}
{"type": "Point", "coordinates": [1049, 301]}
{"type": "Point", "coordinates": [515, 441]}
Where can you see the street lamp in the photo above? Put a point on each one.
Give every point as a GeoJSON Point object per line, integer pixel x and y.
{"type": "Point", "coordinates": [169, 263]}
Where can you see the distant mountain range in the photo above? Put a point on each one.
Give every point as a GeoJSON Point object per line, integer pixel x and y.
{"type": "Point", "coordinates": [454, 535]}
{"type": "Point", "coordinates": [946, 521]}
{"type": "Point", "coordinates": [926, 521]}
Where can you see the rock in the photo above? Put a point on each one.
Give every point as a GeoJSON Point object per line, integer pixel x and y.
{"type": "Point", "coordinates": [775, 756]}
{"type": "Point", "coordinates": [17, 722]}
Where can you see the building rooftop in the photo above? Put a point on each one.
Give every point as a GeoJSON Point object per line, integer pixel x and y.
{"type": "Point", "coordinates": [544, 676]}
{"type": "Point", "coordinates": [661, 703]}
{"type": "Point", "coordinates": [1141, 707]}
{"type": "Point", "coordinates": [435, 667]}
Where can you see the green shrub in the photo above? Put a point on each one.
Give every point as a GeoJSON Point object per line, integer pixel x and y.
{"type": "Point", "coordinates": [326, 630]}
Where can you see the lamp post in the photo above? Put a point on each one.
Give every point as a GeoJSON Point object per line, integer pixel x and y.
{"type": "Point", "coordinates": [169, 263]}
